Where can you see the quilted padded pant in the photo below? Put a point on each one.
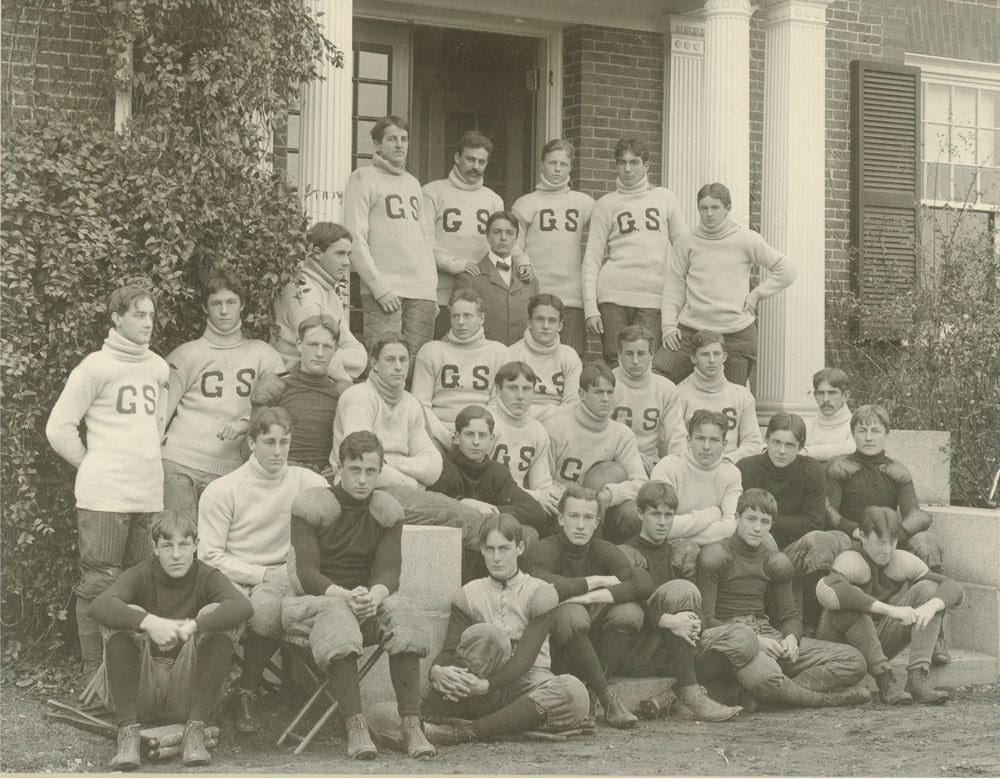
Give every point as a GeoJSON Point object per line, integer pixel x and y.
{"type": "Point", "coordinates": [414, 319]}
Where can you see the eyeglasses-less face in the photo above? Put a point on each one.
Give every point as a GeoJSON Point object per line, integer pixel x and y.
{"type": "Point", "coordinates": [176, 555]}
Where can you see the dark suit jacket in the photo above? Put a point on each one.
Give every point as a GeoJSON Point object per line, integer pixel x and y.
{"type": "Point", "coordinates": [506, 307]}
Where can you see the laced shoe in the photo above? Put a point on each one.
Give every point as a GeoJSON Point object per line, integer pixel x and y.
{"type": "Point", "coordinates": [890, 690]}
{"type": "Point", "coordinates": [193, 749]}
{"type": "Point", "coordinates": [415, 743]}
{"type": "Point", "coordinates": [128, 758]}
{"type": "Point", "coordinates": [445, 735]}
{"type": "Point", "coordinates": [245, 711]}
{"type": "Point", "coordinates": [941, 655]}
{"type": "Point", "coordinates": [694, 703]}
{"type": "Point", "coordinates": [359, 741]}
{"type": "Point", "coordinates": [615, 712]}
{"type": "Point", "coordinates": [918, 684]}
{"type": "Point", "coordinates": [849, 696]}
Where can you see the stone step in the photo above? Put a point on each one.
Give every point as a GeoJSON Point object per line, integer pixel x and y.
{"type": "Point", "coordinates": [971, 541]}
{"type": "Point", "coordinates": [974, 624]}
{"type": "Point", "coordinates": [927, 455]}
{"type": "Point", "coordinates": [965, 668]}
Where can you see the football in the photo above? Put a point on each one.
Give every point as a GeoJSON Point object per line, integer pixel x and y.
{"type": "Point", "coordinates": [604, 473]}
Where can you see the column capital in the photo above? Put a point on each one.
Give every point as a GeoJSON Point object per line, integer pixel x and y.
{"type": "Point", "coordinates": [810, 12]}
{"type": "Point", "coordinates": [687, 34]}
{"type": "Point", "coordinates": [716, 8]}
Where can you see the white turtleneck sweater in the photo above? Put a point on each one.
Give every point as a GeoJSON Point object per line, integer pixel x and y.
{"type": "Point", "coordinates": [829, 437]}
{"type": "Point", "coordinates": [458, 210]}
{"type": "Point", "coordinates": [120, 393]}
{"type": "Point", "coordinates": [735, 402]}
{"type": "Point", "coordinates": [553, 220]}
{"type": "Point", "coordinates": [211, 380]}
{"type": "Point", "coordinates": [245, 519]}
{"type": "Point", "coordinates": [315, 292]}
{"type": "Point", "coordinates": [558, 367]}
{"type": "Point", "coordinates": [651, 407]}
{"type": "Point", "coordinates": [580, 440]}
{"type": "Point", "coordinates": [522, 444]}
{"type": "Point", "coordinates": [708, 278]}
{"type": "Point", "coordinates": [450, 374]}
{"type": "Point", "coordinates": [706, 509]}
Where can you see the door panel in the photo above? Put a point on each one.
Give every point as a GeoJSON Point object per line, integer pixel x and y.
{"type": "Point", "coordinates": [382, 55]}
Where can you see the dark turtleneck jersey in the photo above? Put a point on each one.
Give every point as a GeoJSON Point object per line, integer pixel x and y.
{"type": "Point", "coordinates": [565, 565]}
{"type": "Point", "coordinates": [799, 488]}
{"type": "Point", "coordinates": [856, 481]}
{"type": "Point", "coordinates": [490, 482]}
{"type": "Point", "coordinates": [311, 402]}
{"type": "Point", "coordinates": [658, 559]}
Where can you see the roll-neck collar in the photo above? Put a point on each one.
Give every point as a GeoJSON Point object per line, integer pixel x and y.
{"type": "Point", "coordinates": [466, 465]}
{"type": "Point", "coordinates": [123, 349]}
{"type": "Point", "coordinates": [841, 417]}
{"type": "Point", "coordinates": [705, 384]}
{"type": "Point", "coordinates": [258, 471]}
{"type": "Point", "coordinates": [229, 338]}
{"type": "Point", "coordinates": [391, 395]}
{"type": "Point", "coordinates": [690, 460]}
{"type": "Point", "coordinates": [536, 347]}
{"type": "Point", "coordinates": [349, 501]}
{"type": "Point", "coordinates": [478, 338]}
{"type": "Point", "coordinates": [623, 376]}
{"type": "Point", "coordinates": [776, 473]}
{"type": "Point", "coordinates": [568, 549]}
{"type": "Point", "coordinates": [588, 419]}
{"type": "Point", "coordinates": [546, 186]}
{"type": "Point", "coordinates": [164, 579]}
{"type": "Point", "coordinates": [500, 410]}
{"type": "Point", "coordinates": [642, 185]}
{"type": "Point", "coordinates": [645, 545]}
{"type": "Point", "coordinates": [512, 582]}
{"type": "Point", "coordinates": [742, 547]}
{"type": "Point", "coordinates": [312, 268]}
{"type": "Point", "coordinates": [317, 379]}
{"type": "Point", "coordinates": [380, 162]}
{"type": "Point", "coordinates": [724, 229]}
{"type": "Point", "coordinates": [871, 459]}
{"type": "Point", "coordinates": [456, 180]}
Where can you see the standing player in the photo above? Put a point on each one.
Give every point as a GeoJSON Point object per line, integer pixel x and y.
{"type": "Point", "coordinates": [556, 365]}
{"type": "Point", "coordinates": [553, 220]}
{"type": "Point", "coordinates": [708, 288]}
{"type": "Point", "coordinates": [634, 227]}
{"type": "Point", "coordinates": [646, 402]}
{"type": "Point", "coordinates": [208, 405]}
{"type": "Point", "coordinates": [393, 246]}
{"type": "Point", "coordinates": [120, 394]}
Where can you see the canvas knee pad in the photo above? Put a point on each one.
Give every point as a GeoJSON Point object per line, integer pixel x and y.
{"type": "Point", "coordinates": [570, 619]}
{"type": "Point", "coordinates": [676, 595]}
{"type": "Point", "coordinates": [624, 618]}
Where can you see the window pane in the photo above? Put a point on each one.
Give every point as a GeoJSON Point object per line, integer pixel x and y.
{"type": "Point", "coordinates": [373, 65]}
{"type": "Point", "coordinates": [936, 182]}
{"type": "Point", "coordinates": [989, 148]}
{"type": "Point", "coordinates": [989, 183]}
{"type": "Point", "coordinates": [292, 167]}
{"type": "Point", "coordinates": [963, 106]}
{"type": "Point", "coordinates": [936, 102]}
{"type": "Point", "coordinates": [963, 145]}
{"type": "Point", "coordinates": [936, 143]}
{"type": "Point", "coordinates": [294, 132]}
{"type": "Point", "coordinates": [965, 184]}
{"type": "Point", "coordinates": [989, 108]}
{"type": "Point", "coordinates": [363, 137]}
{"type": "Point", "coordinates": [373, 100]}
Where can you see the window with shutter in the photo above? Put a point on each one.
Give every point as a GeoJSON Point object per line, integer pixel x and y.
{"type": "Point", "coordinates": [887, 184]}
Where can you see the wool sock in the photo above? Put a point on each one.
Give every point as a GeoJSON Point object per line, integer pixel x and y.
{"type": "Point", "coordinates": [345, 685]}
{"type": "Point", "coordinates": [520, 714]}
{"type": "Point", "coordinates": [611, 649]}
{"type": "Point", "coordinates": [123, 676]}
{"type": "Point", "coordinates": [681, 655]}
{"type": "Point", "coordinates": [583, 661]}
{"type": "Point", "coordinates": [211, 670]}
{"type": "Point", "coordinates": [404, 671]}
{"type": "Point", "coordinates": [257, 650]}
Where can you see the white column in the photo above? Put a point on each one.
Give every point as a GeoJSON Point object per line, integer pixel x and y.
{"type": "Point", "coordinates": [325, 155]}
{"type": "Point", "coordinates": [792, 323]}
{"type": "Point", "coordinates": [727, 99]}
{"type": "Point", "coordinates": [685, 140]}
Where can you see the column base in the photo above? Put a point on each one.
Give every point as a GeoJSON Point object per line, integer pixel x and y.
{"type": "Point", "coordinates": [767, 408]}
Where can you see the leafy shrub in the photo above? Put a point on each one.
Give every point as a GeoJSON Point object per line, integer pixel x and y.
{"type": "Point", "coordinates": [941, 368]}
{"type": "Point", "coordinates": [86, 210]}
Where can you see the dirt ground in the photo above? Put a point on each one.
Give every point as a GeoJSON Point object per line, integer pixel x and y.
{"type": "Point", "coordinates": [959, 739]}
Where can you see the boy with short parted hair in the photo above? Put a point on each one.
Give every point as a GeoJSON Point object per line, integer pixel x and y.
{"type": "Point", "coordinates": [599, 591]}
{"type": "Point", "coordinates": [120, 394]}
{"type": "Point", "coordinates": [708, 387]}
{"type": "Point", "coordinates": [645, 401]}
{"type": "Point", "coordinates": [176, 607]}
{"type": "Point", "coordinates": [308, 393]}
{"type": "Point", "coordinates": [737, 577]}
{"type": "Point", "coordinates": [707, 486]}
{"type": "Point", "coordinates": [556, 365]}
{"type": "Point", "coordinates": [520, 442]}
{"type": "Point", "coordinates": [505, 293]}
{"type": "Point", "coordinates": [473, 478]}
{"type": "Point", "coordinates": [208, 404]}
{"type": "Point", "coordinates": [458, 370]}
{"type": "Point", "coordinates": [494, 667]}
{"type": "Point", "coordinates": [345, 563]}
{"type": "Point", "coordinates": [672, 642]}
{"type": "Point", "coordinates": [880, 599]}
{"type": "Point", "coordinates": [634, 227]}
{"type": "Point", "coordinates": [828, 434]}
{"type": "Point", "coordinates": [585, 435]}
{"type": "Point", "coordinates": [243, 529]}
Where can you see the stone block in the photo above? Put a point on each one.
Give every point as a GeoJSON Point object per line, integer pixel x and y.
{"type": "Point", "coordinates": [971, 542]}
{"type": "Point", "coordinates": [974, 624]}
{"type": "Point", "coordinates": [432, 565]}
{"type": "Point", "coordinates": [927, 453]}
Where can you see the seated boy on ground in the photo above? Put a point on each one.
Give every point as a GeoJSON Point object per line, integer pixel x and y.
{"type": "Point", "coordinates": [671, 642]}
{"type": "Point", "coordinates": [308, 393]}
{"type": "Point", "coordinates": [737, 577]}
{"type": "Point", "coordinates": [494, 667]}
{"type": "Point", "coordinates": [345, 562]}
{"type": "Point", "coordinates": [176, 607]}
{"type": "Point", "coordinates": [585, 435]}
{"type": "Point", "coordinates": [243, 529]}
{"type": "Point", "coordinates": [600, 592]}
{"type": "Point", "coordinates": [828, 434]}
{"type": "Point", "coordinates": [707, 486]}
{"type": "Point", "coordinates": [520, 442]}
{"type": "Point", "coordinates": [880, 599]}
{"type": "Point", "coordinates": [471, 477]}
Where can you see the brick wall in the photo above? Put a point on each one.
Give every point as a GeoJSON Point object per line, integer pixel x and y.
{"type": "Point", "coordinates": [55, 60]}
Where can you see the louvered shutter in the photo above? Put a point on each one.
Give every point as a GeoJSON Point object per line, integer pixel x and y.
{"type": "Point", "coordinates": [887, 183]}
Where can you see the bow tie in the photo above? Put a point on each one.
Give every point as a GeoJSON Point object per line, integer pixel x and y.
{"type": "Point", "coordinates": [504, 266]}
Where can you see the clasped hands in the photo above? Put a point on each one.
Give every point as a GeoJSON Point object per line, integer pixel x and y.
{"type": "Point", "coordinates": [168, 633]}
{"type": "Point", "coordinates": [455, 683]}
{"type": "Point", "coordinates": [785, 649]}
{"type": "Point", "coordinates": [684, 624]}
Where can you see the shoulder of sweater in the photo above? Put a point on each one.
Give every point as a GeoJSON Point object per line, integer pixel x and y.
{"type": "Point", "coordinates": [753, 463]}
{"type": "Point", "coordinates": [668, 466]}
{"type": "Point", "coordinates": [305, 477]}
{"type": "Point", "coordinates": [730, 472]}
